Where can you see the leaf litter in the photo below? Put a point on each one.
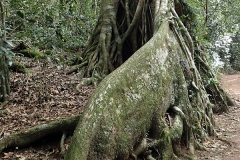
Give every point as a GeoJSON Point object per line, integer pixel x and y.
{"type": "Point", "coordinates": [226, 145]}
{"type": "Point", "coordinates": [43, 95]}
{"type": "Point", "coordinates": [47, 93]}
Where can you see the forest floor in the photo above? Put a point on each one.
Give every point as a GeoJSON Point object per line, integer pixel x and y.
{"type": "Point", "coordinates": [226, 146]}
{"type": "Point", "coordinates": [43, 95]}
{"type": "Point", "coordinates": [46, 93]}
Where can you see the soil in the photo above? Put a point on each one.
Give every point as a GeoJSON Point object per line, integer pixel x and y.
{"type": "Point", "coordinates": [43, 95]}
{"type": "Point", "coordinates": [46, 93]}
{"type": "Point", "coordinates": [226, 145]}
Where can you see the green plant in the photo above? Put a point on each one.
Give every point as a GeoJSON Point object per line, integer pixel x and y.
{"type": "Point", "coordinates": [51, 24]}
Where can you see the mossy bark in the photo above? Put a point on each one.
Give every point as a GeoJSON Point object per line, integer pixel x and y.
{"type": "Point", "coordinates": [131, 103]}
{"type": "Point", "coordinates": [18, 67]}
{"type": "Point", "coordinates": [4, 77]}
{"type": "Point", "coordinates": [32, 53]}
{"type": "Point", "coordinates": [26, 137]}
{"type": "Point", "coordinates": [153, 104]}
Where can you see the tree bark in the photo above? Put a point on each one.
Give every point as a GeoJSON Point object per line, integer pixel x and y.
{"type": "Point", "coordinates": [152, 103]}
{"type": "Point", "coordinates": [26, 137]}
{"type": "Point", "coordinates": [122, 28]}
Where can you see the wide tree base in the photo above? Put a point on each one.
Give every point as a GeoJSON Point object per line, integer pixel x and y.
{"type": "Point", "coordinates": [151, 106]}
{"type": "Point", "coordinates": [154, 104]}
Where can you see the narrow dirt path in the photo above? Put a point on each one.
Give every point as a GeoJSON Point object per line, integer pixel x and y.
{"type": "Point", "coordinates": [227, 145]}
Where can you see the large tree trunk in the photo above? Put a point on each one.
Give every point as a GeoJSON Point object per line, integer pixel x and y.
{"type": "Point", "coordinates": [156, 101]}
{"type": "Point", "coordinates": [130, 104]}
{"type": "Point", "coordinates": [153, 104]}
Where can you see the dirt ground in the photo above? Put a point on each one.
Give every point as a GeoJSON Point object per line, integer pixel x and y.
{"type": "Point", "coordinates": [43, 95]}
{"type": "Point", "coordinates": [47, 94]}
{"type": "Point", "coordinates": [226, 146]}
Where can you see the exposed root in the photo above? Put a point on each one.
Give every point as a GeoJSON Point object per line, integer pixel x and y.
{"type": "Point", "coordinates": [76, 68]}
{"type": "Point", "coordinates": [117, 104]}
{"type": "Point", "coordinates": [84, 82]}
{"type": "Point", "coordinates": [205, 121]}
{"type": "Point", "coordinates": [62, 143]}
{"type": "Point", "coordinates": [149, 157]}
{"type": "Point", "coordinates": [116, 36]}
{"type": "Point", "coordinates": [221, 99]}
{"type": "Point", "coordinates": [24, 138]}
{"type": "Point", "coordinates": [142, 147]}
